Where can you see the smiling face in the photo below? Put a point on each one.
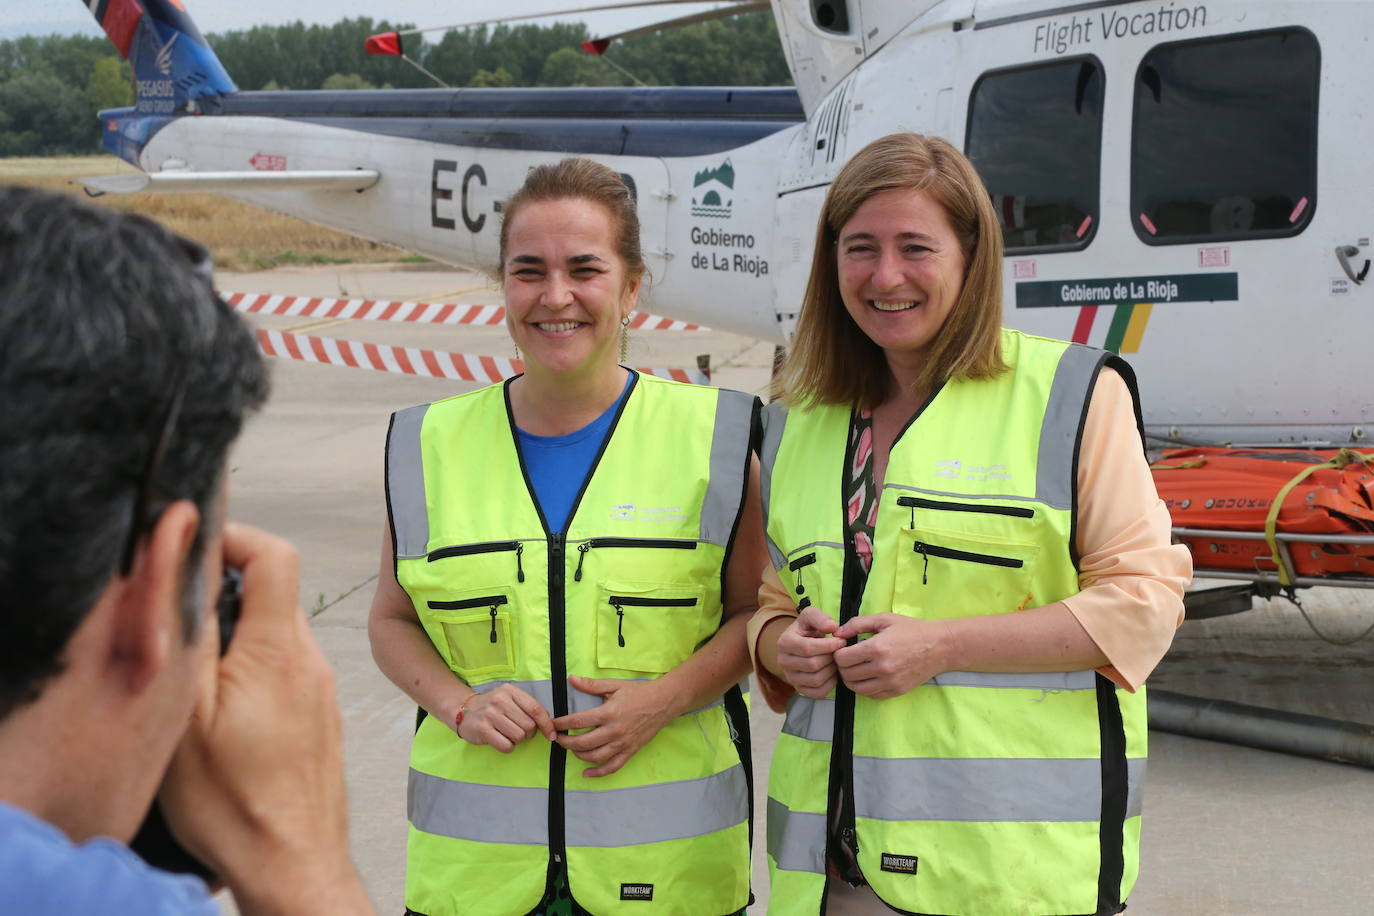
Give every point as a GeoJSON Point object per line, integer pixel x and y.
{"type": "Point", "coordinates": [901, 269]}
{"type": "Point", "coordinates": [566, 288]}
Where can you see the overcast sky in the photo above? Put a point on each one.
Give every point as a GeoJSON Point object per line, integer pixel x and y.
{"type": "Point", "coordinates": [41, 17]}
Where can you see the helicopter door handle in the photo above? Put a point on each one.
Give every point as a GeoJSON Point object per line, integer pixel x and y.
{"type": "Point", "coordinates": [1343, 254]}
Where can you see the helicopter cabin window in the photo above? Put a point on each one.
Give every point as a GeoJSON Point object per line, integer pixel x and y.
{"type": "Point", "coordinates": [831, 15]}
{"type": "Point", "coordinates": [1035, 136]}
{"type": "Point", "coordinates": [1224, 145]}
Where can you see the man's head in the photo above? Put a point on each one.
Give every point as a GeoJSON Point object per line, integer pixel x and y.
{"type": "Point", "coordinates": [123, 381]}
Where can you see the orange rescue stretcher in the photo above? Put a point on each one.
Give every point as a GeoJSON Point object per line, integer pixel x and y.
{"type": "Point", "coordinates": [1294, 517]}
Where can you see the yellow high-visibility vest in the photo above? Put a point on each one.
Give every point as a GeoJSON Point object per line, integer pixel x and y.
{"type": "Point", "coordinates": [973, 794]}
{"type": "Point", "coordinates": [628, 590]}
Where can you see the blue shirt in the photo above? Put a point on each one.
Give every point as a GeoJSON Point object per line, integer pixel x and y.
{"type": "Point", "coordinates": [559, 465]}
{"type": "Point", "coordinates": [43, 872]}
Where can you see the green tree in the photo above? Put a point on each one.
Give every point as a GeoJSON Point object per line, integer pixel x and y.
{"type": "Point", "coordinates": [570, 67]}
{"type": "Point", "coordinates": [109, 85]}
{"type": "Point", "coordinates": [40, 115]}
{"type": "Point", "coordinates": [305, 56]}
{"type": "Point", "coordinates": [346, 81]}
{"type": "Point", "coordinates": [738, 51]}
{"type": "Point", "coordinates": [492, 79]}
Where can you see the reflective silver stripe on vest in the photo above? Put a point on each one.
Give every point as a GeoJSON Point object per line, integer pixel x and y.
{"type": "Point", "coordinates": [729, 456]}
{"type": "Point", "coordinates": [476, 812]}
{"type": "Point", "coordinates": [608, 818]}
{"type": "Point", "coordinates": [655, 813]}
{"type": "Point", "coordinates": [405, 483]}
{"type": "Point", "coordinates": [813, 720]}
{"type": "Point", "coordinates": [1000, 497]}
{"type": "Point", "coordinates": [775, 555]}
{"type": "Point", "coordinates": [1069, 394]}
{"type": "Point", "coordinates": [1045, 680]}
{"type": "Point", "coordinates": [774, 421]}
{"type": "Point", "coordinates": [796, 839]}
{"type": "Point", "coordinates": [578, 701]}
{"type": "Point", "coordinates": [1043, 789]}
{"type": "Point", "coordinates": [834, 544]}
{"type": "Point", "coordinates": [1135, 786]}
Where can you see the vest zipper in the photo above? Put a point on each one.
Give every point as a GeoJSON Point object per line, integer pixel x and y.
{"type": "Point", "coordinates": [656, 543]}
{"type": "Point", "coordinates": [915, 502]}
{"type": "Point", "coordinates": [558, 648]}
{"type": "Point", "coordinates": [843, 850]}
{"type": "Point", "coordinates": [798, 565]}
{"type": "Point", "coordinates": [949, 553]}
{"type": "Point", "coordinates": [492, 601]}
{"type": "Point", "coordinates": [559, 663]}
{"type": "Point", "coordinates": [465, 550]}
{"type": "Point", "coordinates": [620, 602]}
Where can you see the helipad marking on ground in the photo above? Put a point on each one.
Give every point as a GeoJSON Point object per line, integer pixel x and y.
{"type": "Point", "coordinates": [466, 367]}
{"type": "Point", "coordinates": [413, 312]}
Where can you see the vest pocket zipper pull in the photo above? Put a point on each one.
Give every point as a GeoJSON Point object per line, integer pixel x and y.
{"type": "Point", "coordinates": [519, 565]}
{"type": "Point", "coordinates": [493, 621]}
{"type": "Point", "coordinates": [797, 566]}
{"type": "Point", "coordinates": [581, 555]}
{"type": "Point", "coordinates": [920, 548]}
{"type": "Point", "coordinates": [619, 624]}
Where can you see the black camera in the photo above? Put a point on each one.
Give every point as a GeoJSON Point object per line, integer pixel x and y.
{"type": "Point", "coordinates": [154, 841]}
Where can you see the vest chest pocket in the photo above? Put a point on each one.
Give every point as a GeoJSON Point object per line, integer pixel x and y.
{"type": "Point", "coordinates": [943, 574]}
{"type": "Point", "coordinates": [476, 635]}
{"type": "Point", "coordinates": [649, 629]}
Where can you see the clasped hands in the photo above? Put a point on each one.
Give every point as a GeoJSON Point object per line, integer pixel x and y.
{"type": "Point", "coordinates": [630, 714]}
{"type": "Point", "coordinates": [901, 654]}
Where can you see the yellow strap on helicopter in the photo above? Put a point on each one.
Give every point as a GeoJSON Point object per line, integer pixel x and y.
{"type": "Point", "coordinates": [1343, 458]}
{"type": "Point", "coordinates": [1181, 466]}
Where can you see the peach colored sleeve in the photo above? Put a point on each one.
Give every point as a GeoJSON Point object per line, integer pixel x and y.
{"type": "Point", "coordinates": [1131, 578]}
{"type": "Point", "coordinates": [774, 602]}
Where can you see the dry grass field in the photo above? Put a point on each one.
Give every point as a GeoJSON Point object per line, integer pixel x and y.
{"type": "Point", "coordinates": [239, 237]}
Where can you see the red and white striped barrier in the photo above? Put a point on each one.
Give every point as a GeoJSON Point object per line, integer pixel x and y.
{"type": "Point", "coordinates": [415, 361]}
{"type": "Point", "coordinates": [418, 312]}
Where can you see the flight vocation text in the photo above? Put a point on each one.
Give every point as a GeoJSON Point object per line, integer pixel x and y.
{"type": "Point", "coordinates": [1059, 35]}
{"type": "Point", "coordinates": [1137, 290]}
{"type": "Point", "coordinates": [725, 252]}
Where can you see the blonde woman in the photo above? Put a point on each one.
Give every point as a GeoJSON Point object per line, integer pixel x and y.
{"type": "Point", "coordinates": [973, 575]}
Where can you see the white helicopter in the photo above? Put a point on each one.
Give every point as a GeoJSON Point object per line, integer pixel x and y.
{"type": "Point", "coordinates": [1174, 182]}
{"type": "Point", "coordinates": [1175, 177]}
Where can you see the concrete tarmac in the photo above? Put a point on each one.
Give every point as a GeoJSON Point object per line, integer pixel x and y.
{"type": "Point", "coordinates": [1227, 830]}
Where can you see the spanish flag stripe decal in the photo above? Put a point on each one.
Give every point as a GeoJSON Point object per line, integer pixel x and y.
{"type": "Point", "coordinates": [1135, 330]}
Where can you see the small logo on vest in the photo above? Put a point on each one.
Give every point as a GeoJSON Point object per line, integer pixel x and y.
{"type": "Point", "coordinates": [629, 512]}
{"type": "Point", "coordinates": [902, 865]}
{"type": "Point", "coordinates": [955, 469]}
{"type": "Point", "coordinates": [636, 892]}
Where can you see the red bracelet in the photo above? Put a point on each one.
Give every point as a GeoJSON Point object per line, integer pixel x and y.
{"type": "Point", "coordinates": [458, 719]}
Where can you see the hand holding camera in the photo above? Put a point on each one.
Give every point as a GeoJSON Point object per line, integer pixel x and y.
{"type": "Point", "coordinates": [255, 778]}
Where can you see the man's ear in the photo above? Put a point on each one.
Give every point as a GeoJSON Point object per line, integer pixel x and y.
{"type": "Point", "coordinates": [149, 605]}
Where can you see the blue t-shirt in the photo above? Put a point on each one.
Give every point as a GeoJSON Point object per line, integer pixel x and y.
{"type": "Point", "coordinates": [43, 872]}
{"type": "Point", "coordinates": [559, 465]}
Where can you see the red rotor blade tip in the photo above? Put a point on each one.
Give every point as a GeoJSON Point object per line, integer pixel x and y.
{"type": "Point", "coordinates": [385, 43]}
{"type": "Point", "coordinates": [596, 46]}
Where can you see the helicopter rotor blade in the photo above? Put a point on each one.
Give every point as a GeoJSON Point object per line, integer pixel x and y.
{"type": "Point", "coordinates": [599, 45]}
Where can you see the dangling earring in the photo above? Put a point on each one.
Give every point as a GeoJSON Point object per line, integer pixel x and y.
{"type": "Point", "coordinates": [517, 349]}
{"type": "Point", "coordinates": [624, 337]}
